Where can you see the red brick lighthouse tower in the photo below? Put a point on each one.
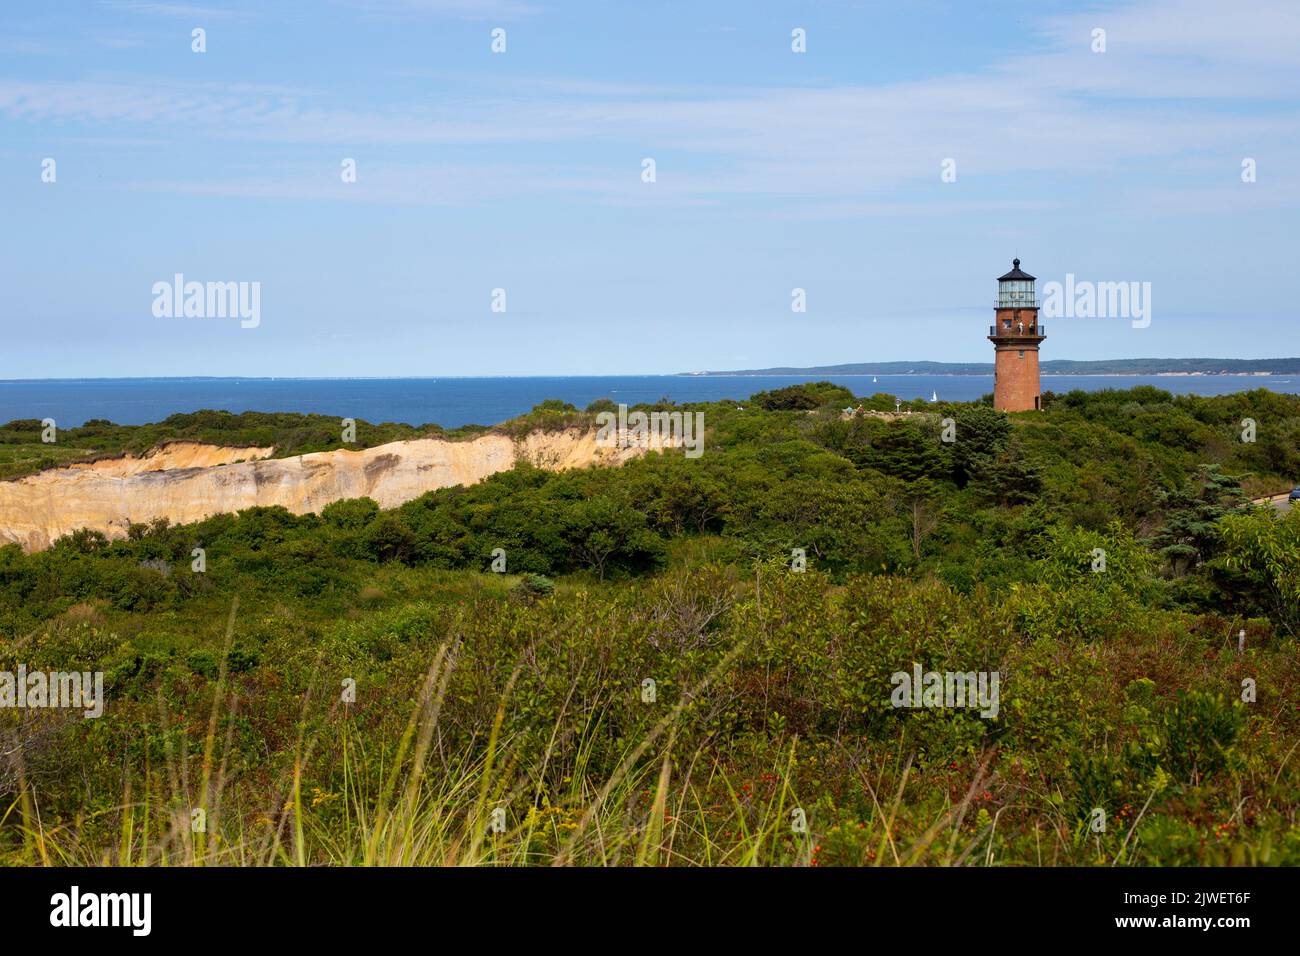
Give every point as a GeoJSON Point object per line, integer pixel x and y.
{"type": "Point", "coordinates": [1015, 337]}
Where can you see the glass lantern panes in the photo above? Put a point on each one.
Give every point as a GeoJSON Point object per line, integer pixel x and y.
{"type": "Point", "coordinates": [1016, 293]}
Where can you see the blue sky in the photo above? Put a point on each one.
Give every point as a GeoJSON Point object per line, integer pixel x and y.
{"type": "Point", "coordinates": [522, 170]}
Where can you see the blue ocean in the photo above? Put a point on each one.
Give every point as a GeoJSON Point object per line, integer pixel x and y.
{"type": "Point", "coordinates": [451, 402]}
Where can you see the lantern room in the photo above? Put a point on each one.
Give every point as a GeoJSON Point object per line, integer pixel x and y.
{"type": "Point", "coordinates": [1016, 289]}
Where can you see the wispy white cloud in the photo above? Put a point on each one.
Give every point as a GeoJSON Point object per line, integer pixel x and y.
{"type": "Point", "coordinates": [1250, 33]}
{"type": "Point", "coordinates": [1166, 88]}
{"type": "Point", "coordinates": [435, 184]}
{"type": "Point", "coordinates": [459, 9]}
{"type": "Point", "coordinates": [186, 11]}
{"type": "Point", "coordinates": [24, 46]}
{"type": "Point", "coordinates": [118, 40]}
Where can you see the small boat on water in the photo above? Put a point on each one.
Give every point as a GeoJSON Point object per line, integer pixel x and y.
{"type": "Point", "coordinates": [934, 396]}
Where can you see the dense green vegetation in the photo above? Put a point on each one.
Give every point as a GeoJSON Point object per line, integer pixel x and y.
{"type": "Point", "coordinates": [1101, 556]}
{"type": "Point", "coordinates": [22, 450]}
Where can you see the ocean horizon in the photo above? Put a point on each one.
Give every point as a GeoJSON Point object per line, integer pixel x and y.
{"type": "Point", "coordinates": [453, 401]}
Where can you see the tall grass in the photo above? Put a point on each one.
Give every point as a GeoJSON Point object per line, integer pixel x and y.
{"type": "Point", "coordinates": [428, 806]}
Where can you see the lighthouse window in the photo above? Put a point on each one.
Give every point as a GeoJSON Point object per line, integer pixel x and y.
{"type": "Point", "coordinates": [1022, 353]}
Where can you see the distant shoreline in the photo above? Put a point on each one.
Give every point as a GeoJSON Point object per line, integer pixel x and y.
{"type": "Point", "coordinates": [1135, 367]}
{"type": "Point", "coordinates": [456, 402]}
{"type": "Point", "coordinates": [989, 373]}
{"type": "Point", "coordinates": [1048, 369]}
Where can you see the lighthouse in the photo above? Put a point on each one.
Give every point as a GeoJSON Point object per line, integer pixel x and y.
{"type": "Point", "coordinates": [1015, 335]}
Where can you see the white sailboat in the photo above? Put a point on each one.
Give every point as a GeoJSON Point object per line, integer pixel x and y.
{"type": "Point", "coordinates": [873, 379]}
{"type": "Point", "coordinates": [934, 396]}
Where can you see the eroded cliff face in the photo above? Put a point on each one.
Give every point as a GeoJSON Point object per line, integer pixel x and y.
{"type": "Point", "coordinates": [187, 481]}
{"type": "Point", "coordinates": [177, 454]}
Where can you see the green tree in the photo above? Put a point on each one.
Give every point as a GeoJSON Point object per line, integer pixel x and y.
{"type": "Point", "coordinates": [1190, 532]}
{"type": "Point", "coordinates": [1261, 553]}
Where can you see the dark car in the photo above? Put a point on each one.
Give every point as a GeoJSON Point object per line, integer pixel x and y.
{"type": "Point", "coordinates": [1295, 495]}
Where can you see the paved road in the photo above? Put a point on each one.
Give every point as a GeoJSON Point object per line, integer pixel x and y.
{"type": "Point", "coordinates": [1279, 502]}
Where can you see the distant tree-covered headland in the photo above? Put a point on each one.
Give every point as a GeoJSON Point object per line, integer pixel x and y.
{"type": "Point", "coordinates": [1142, 366]}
